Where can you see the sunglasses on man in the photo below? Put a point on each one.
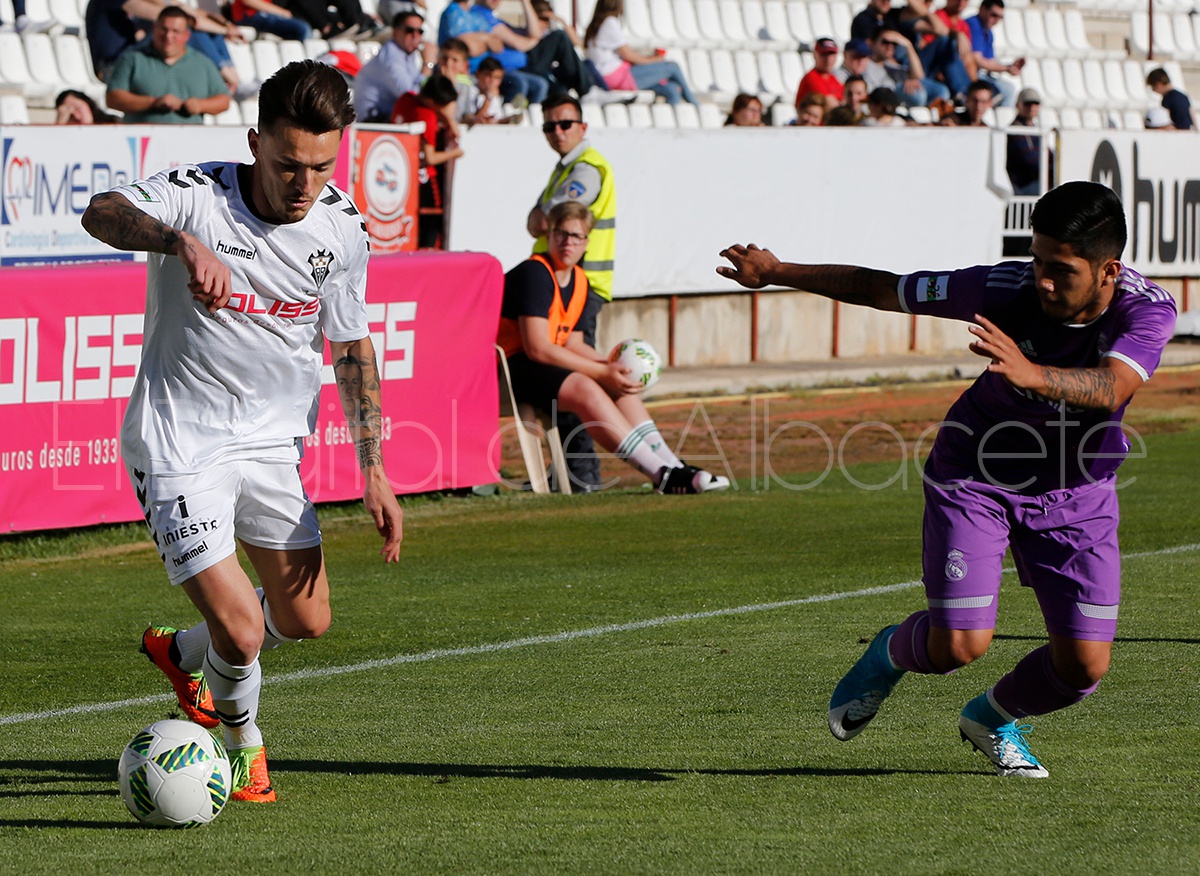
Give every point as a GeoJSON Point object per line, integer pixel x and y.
{"type": "Point", "coordinates": [561, 124]}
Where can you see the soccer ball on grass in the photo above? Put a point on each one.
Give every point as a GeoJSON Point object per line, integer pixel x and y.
{"type": "Point", "coordinates": [174, 774]}
{"type": "Point", "coordinates": [642, 360]}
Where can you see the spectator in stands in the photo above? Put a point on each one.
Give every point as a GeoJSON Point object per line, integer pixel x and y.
{"type": "Point", "coordinates": [396, 69]}
{"type": "Point", "coordinates": [434, 105]}
{"type": "Point", "coordinates": [622, 67]}
{"type": "Point", "coordinates": [906, 78]}
{"type": "Point", "coordinates": [821, 79]}
{"type": "Point", "coordinates": [810, 112]}
{"type": "Point", "coordinates": [115, 26]}
{"type": "Point", "coordinates": [842, 117]}
{"type": "Point", "coordinates": [855, 95]}
{"type": "Point", "coordinates": [489, 102]}
{"type": "Point", "coordinates": [925, 35]}
{"type": "Point", "coordinates": [22, 23]}
{"type": "Point", "coordinates": [1174, 101]}
{"type": "Point", "coordinates": [1024, 151]}
{"type": "Point", "coordinates": [553, 366]}
{"type": "Point", "coordinates": [975, 107]}
{"type": "Point", "coordinates": [882, 104]}
{"type": "Point", "coordinates": [387, 10]}
{"type": "Point", "coordinates": [983, 46]}
{"type": "Point", "coordinates": [551, 21]}
{"type": "Point", "coordinates": [76, 108]}
{"type": "Point", "coordinates": [331, 18]}
{"type": "Point", "coordinates": [746, 112]}
{"type": "Point", "coordinates": [549, 54]}
{"type": "Point", "coordinates": [856, 54]}
{"type": "Point", "coordinates": [583, 175]}
{"type": "Point", "coordinates": [166, 81]}
{"type": "Point", "coordinates": [481, 39]}
{"type": "Point", "coordinates": [267, 17]}
{"type": "Point", "coordinates": [951, 16]}
{"type": "Point", "coordinates": [454, 62]}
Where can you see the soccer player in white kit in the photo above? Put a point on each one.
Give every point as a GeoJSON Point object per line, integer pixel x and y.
{"type": "Point", "coordinates": [251, 269]}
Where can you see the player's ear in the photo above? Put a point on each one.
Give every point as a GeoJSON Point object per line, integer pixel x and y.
{"type": "Point", "coordinates": [1109, 271]}
{"type": "Point", "coordinates": [252, 139]}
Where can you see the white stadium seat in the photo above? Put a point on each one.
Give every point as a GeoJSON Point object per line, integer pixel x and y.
{"type": "Point", "coordinates": [773, 29]}
{"type": "Point", "coordinates": [841, 13]}
{"type": "Point", "coordinates": [821, 19]}
{"type": "Point", "coordinates": [724, 74]}
{"type": "Point", "coordinates": [771, 73]}
{"type": "Point", "coordinates": [745, 65]}
{"type": "Point", "coordinates": [1010, 36]}
{"type": "Point", "coordinates": [663, 115]}
{"type": "Point", "coordinates": [733, 23]}
{"type": "Point", "coordinates": [291, 50]}
{"type": "Point", "coordinates": [14, 71]}
{"type": "Point", "coordinates": [66, 13]}
{"type": "Point", "coordinates": [688, 26]}
{"type": "Point", "coordinates": [13, 110]}
{"type": "Point", "coordinates": [1055, 90]}
{"type": "Point", "coordinates": [711, 116]}
{"type": "Point", "coordinates": [1035, 32]}
{"type": "Point", "coordinates": [708, 16]}
{"type": "Point", "coordinates": [687, 116]}
{"type": "Point", "coordinates": [266, 58]}
{"type": "Point", "coordinates": [243, 60]}
{"type": "Point", "coordinates": [799, 22]}
{"type": "Point", "coordinates": [231, 116]}
{"type": "Point", "coordinates": [793, 71]}
{"type": "Point", "coordinates": [640, 115]}
{"type": "Point", "coordinates": [616, 115]}
{"type": "Point", "coordinates": [662, 19]}
{"type": "Point", "coordinates": [1184, 36]}
{"type": "Point", "coordinates": [637, 23]}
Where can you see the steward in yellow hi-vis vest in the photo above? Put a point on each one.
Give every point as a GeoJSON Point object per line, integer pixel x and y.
{"type": "Point", "coordinates": [602, 246]}
{"type": "Point", "coordinates": [562, 318]}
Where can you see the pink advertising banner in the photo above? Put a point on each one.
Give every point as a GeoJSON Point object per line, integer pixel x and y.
{"type": "Point", "coordinates": [70, 340]}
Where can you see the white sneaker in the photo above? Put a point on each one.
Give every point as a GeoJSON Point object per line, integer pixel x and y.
{"type": "Point", "coordinates": [26, 25]}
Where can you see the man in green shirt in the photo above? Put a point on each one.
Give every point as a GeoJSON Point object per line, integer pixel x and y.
{"type": "Point", "coordinates": [165, 82]}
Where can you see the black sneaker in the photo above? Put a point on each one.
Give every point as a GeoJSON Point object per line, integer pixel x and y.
{"type": "Point", "coordinates": [687, 479]}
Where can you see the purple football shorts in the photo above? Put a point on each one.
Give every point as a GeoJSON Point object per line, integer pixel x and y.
{"type": "Point", "coordinates": [1064, 544]}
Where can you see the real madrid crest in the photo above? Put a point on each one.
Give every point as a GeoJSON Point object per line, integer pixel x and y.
{"type": "Point", "coordinates": [320, 261]}
{"type": "Point", "coordinates": [956, 566]}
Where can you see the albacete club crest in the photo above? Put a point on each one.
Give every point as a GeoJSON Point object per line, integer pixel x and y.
{"type": "Point", "coordinates": [320, 261]}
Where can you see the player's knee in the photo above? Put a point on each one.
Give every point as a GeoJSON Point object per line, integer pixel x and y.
{"type": "Point", "coordinates": [954, 649]}
{"type": "Point", "coordinates": [1083, 673]}
{"type": "Point", "coordinates": [310, 623]}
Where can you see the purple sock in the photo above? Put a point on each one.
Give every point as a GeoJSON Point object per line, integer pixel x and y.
{"type": "Point", "coordinates": [909, 645]}
{"type": "Point", "coordinates": [1034, 688]}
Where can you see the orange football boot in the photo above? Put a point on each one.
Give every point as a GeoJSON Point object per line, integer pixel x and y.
{"type": "Point", "coordinates": [190, 687]}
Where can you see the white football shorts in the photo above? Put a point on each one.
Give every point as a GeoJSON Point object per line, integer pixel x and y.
{"type": "Point", "coordinates": [195, 518]}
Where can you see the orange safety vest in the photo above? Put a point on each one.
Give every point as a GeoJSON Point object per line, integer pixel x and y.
{"type": "Point", "coordinates": [562, 319]}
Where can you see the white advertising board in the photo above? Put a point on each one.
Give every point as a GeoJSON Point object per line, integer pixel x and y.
{"type": "Point", "coordinates": [48, 174]}
{"type": "Point", "coordinates": [894, 199]}
{"type": "Point", "coordinates": [1157, 175]}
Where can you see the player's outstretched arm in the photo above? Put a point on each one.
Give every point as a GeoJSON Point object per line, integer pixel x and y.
{"type": "Point", "coordinates": [1107, 387]}
{"type": "Point", "coordinates": [357, 374]}
{"type": "Point", "coordinates": [113, 219]}
{"type": "Point", "coordinates": [754, 267]}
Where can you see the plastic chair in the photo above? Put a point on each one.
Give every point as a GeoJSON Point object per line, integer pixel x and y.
{"type": "Point", "coordinates": [637, 23]}
{"type": "Point", "coordinates": [745, 65]}
{"type": "Point", "coordinates": [662, 19]}
{"type": "Point", "coordinates": [616, 115]}
{"type": "Point", "coordinates": [821, 19]}
{"type": "Point", "coordinates": [640, 115]}
{"type": "Point", "coordinates": [13, 110]}
{"type": "Point", "coordinates": [687, 116]}
{"type": "Point", "coordinates": [15, 71]}
{"type": "Point", "coordinates": [268, 59]}
{"type": "Point", "coordinates": [711, 116]}
{"type": "Point", "coordinates": [525, 421]}
{"type": "Point", "coordinates": [231, 116]}
{"type": "Point", "coordinates": [1035, 32]}
{"type": "Point", "coordinates": [708, 17]}
{"type": "Point", "coordinates": [688, 26]}
{"type": "Point", "coordinates": [776, 26]}
{"type": "Point", "coordinates": [734, 24]}
{"type": "Point", "coordinates": [799, 22]}
{"type": "Point", "coordinates": [662, 115]}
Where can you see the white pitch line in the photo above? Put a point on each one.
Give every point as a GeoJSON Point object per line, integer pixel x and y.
{"type": "Point", "coordinates": [512, 644]}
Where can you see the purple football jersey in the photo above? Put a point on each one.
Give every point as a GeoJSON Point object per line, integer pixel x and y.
{"type": "Point", "coordinates": [1016, 439]}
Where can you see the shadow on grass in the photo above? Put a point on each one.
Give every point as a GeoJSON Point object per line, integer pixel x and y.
{"type": "Point", "coordinates": [447, 771]}
{"type": "Point", "coordinates": [37, 778]}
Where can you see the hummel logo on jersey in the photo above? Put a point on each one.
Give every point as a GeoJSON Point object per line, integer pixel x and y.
{"type": "Point", "coordinates": [320, 261]}
{"type": "Point", "coordinates": [935, 287]}
{"type": "Point", "coordinates": [1026, 347]}
{"type": "Point", "coordinates": [237, 251]}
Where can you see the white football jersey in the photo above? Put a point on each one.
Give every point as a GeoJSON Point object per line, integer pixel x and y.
{"type": "Point", "coordinates": [242, 382]}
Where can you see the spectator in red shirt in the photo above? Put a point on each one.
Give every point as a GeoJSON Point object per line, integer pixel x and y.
{"type": "Point", "coordinates": [821, 79]}
{"type": "Point", "coordinates": [434, 105]}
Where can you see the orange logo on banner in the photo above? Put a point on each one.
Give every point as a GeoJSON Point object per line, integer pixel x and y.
{"type": "Point", "coordinates": [384, 186]}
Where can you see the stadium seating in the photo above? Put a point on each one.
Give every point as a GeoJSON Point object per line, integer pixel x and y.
{"type": "Point", "coordinates": [13, 110]}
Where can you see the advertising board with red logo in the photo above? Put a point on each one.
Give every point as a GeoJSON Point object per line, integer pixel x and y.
{"type": "Point", "coordinates": [70, 343]}
{"type": "Point", "coordinates": [383, 184]}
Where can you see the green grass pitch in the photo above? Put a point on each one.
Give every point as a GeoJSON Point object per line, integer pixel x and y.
{"type": "Point", "coordinates": [563, 685]}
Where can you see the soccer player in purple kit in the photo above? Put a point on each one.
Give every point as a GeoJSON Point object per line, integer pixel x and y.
{"type": "Point", "coordinates": [1026, 458]}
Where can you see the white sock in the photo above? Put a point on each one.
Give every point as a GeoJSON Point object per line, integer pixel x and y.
{"type": "Point", "coordinates": [235, 691]}
{"type": "Point", "coordinates": [193, 643]}
{"type": "Point", "coordinates": [651, 435]}
{"type": "Point", "coordinates": [637, 452]}
{"type": "Point", "coordinates": [272, 638]}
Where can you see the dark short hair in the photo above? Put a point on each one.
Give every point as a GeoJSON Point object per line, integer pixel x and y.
{"type": "Point", "coordinates": [1085, 215]}
{"type": "Point", "coordinates": [557, 100]}
{"type": "Point", "coordinates": [454, 44]}
{"type": "Point", "coordinates": [309, 94]}
{"type": "Point", "coordinates": [400, 17]}
{"type": "Point", "coordinates": [885, 97]}
{"type": "Point", "coordinates": [979, 85]}
{"type": "Point", "coordinates": [1158, 76]}
{"type": "Point", "coordinates": [439, 90]}
{"type": "Point", "coordinates": [177, 12]}
{"type": "Point", "coordinates": [992, 4]}
{"type": "Point", "coordinates": [489, 65]}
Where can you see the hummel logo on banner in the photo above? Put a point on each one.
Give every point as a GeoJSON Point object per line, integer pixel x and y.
{"type": "Point", "coordinates": [1026, 347]}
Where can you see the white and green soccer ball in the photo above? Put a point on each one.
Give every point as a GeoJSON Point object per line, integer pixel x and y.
{"type": "Point", "coordinates": [642, 360]}
{"type": "Point", "coordinates": [174, 774]}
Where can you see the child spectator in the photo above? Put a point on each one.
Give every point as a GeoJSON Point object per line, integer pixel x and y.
{"type": "Point", "coordinates": [434, 105]}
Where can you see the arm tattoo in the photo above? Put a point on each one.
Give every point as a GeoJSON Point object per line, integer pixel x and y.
{"type": "Point", "coordinates": [112, 219]}
{"type": "Point", "coordinates": [1092, 388]}
{"type": "Point", "coordinates": [359, 390]}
